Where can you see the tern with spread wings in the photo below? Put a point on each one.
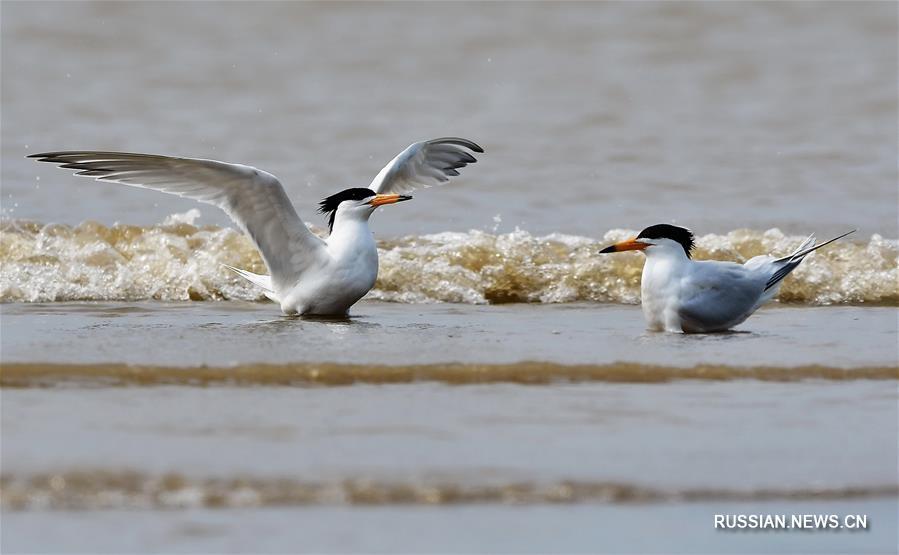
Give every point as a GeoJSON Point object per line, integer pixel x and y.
{"type": "Point", "coordinates": [308, 275]}
{"type": "Point", "coordinates": [679, 294]}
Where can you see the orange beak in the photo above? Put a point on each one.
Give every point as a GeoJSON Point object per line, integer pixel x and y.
{"type": "Point", "coordinates": [627, 245]}
{"type": "Point", "coordinates": [388, 199]}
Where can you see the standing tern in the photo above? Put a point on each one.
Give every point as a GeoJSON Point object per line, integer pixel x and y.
{"type": "Point", "coordinates": [309, 276]}
{"type": "Point", "coordinates": [683, 295]}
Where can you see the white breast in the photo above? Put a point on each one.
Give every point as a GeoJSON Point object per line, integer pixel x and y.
{"type": "Point", "coordinates": [349, 273]}
{"type": "Point", "coordinates": [659, 292]}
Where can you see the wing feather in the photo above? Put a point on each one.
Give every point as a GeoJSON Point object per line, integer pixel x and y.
{"type": "Point", "coordinates": [718, 295]}
{"type": "Point", "coordinates": [254, 199]}
{"type": "Point", "coordinates": [425, 164]}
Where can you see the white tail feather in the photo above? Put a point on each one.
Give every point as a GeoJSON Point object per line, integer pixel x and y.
{"type": "Point", "coordinates": [805, 248]}
{"type": "Point", "coordinates": [790, 262]}
{"type": "Point", "coordinates": [263, 282]}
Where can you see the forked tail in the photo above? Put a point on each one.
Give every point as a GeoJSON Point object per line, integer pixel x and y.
{"type": "Point", "coordinates": [263, 282]}
{"type": "Point", "coordinates": [791, 261]}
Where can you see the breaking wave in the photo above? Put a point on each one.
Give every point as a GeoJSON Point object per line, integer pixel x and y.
{"type": "Point", "coordinates": [178, 260]}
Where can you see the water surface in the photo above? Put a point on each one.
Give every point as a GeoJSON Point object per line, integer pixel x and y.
{"type": "Point", "coordinates": [507, 397]}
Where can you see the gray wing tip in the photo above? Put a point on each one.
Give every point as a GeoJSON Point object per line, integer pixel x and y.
{"type": "Point", "coordinates": [471, 145]}
{"type": "Point", "coordinates": [59, 156]}
{"type": "Point", "coordinates": [112, 154]}
{"type": "Point", "coordinates": [66, 161]}
{"type": "Point", "coordinates": [44, 156]}
{"type": "Point", "coordinates": [56, 153]}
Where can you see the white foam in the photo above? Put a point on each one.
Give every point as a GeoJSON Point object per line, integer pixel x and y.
{"type": "Point", "coordinates": [178, 260]}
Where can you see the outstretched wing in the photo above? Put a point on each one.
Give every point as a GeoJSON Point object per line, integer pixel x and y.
{"type": "Point", "coordinates": [254, 199]}
{"type": "Point", "coordinates": [424, 164]}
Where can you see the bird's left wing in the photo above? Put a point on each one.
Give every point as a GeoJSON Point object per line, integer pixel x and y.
{"type": "Point", "coordinates": [254, 199]}
{"type": "Point", "coordinates": [718, 295]}
{"type": "Point", "coordinates": [424, 164]}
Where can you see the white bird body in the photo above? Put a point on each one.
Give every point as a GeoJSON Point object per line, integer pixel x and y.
{"type": "Point", "coordinates": [347, 274]}
{"type": "Point", "coordinates": [683, 295]}
{"type": "Point", "coordinates": [698, 296]}
{"type": "Point", "coordinates": [308, 275]}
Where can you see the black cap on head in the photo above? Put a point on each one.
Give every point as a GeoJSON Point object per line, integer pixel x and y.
{"type": "Point", "coordinates": [329, 205]}
{"type": "Point", "coordinates": [681, 235]}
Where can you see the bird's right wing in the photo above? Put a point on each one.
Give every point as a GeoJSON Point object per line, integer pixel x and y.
{"type": "Point", "coordinates": [254, 199]}
{"type": "Point", "coordinates": [424, 164]}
